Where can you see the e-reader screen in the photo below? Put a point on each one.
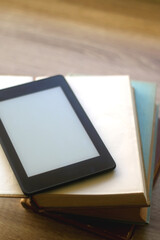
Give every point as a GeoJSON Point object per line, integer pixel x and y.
{"type": "Point", "coordinates": [47, 134]}
{"type": "Point", "coordinates": [43, 126]}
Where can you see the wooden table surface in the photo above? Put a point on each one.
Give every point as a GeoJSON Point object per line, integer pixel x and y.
{"type": "Point", "coordinates": [98, 37]}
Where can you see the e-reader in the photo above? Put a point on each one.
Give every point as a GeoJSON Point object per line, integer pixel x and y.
{"type": "Point", "coordinates": [47, 136]}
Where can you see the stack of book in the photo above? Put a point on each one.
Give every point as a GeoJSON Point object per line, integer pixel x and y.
{"type": "Point", "coordinates": [125, 115]}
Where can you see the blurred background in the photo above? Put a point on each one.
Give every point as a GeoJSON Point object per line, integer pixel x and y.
{"type": "Point", "coordinates": [80, 37]}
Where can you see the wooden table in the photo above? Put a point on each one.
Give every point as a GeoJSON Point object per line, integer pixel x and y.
{"type": "Point", "coordinates": [100, 37]}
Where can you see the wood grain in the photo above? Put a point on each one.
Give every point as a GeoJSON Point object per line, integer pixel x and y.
{"type": "Point", "coordinates": [104, 37]}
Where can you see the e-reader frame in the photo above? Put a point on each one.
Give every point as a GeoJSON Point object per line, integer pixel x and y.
{"type": "Point", "coordinates": [62, 175]}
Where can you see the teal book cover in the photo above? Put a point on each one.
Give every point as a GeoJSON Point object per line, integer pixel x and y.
{"type": "Point", "coordinates": [145, 94]}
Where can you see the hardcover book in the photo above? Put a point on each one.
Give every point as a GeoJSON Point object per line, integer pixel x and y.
{"type": "Point", "coordinates": [109, 103]}
{"type": "Point", "coordinates": [147, 118]}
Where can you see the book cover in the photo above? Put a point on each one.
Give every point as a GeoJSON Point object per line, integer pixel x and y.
{"type": "Point", "coordinates": [109, 103]}
{"type": "Point", "coordinates": [147, 118]}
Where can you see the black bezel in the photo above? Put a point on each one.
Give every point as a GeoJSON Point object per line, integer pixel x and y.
{"type": "Point", "coordinates": [50, 179]}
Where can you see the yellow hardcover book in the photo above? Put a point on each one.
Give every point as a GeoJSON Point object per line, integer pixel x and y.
{"type": "Point", "coordinates": [110, 105]}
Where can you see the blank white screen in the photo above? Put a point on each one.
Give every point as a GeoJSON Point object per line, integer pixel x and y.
{"type": "Point", "coordinates": [45, 131]}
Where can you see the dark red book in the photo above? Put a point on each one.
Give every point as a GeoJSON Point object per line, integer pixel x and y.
{"type": "Point", "coordinates": [101, 227]}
